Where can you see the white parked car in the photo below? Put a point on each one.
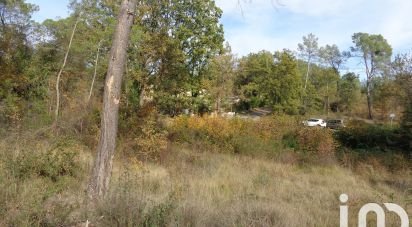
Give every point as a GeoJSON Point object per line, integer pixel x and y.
{"type": "Point", "coordinates": [315, 122]}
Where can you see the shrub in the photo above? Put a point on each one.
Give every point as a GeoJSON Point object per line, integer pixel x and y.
{"type": "Point", "coordinates": [51, 163]}
{"type": "Point", "coordinates": [211, 132]}
{"type": "Point", "coordinates": [36, 177]}
{"type": "Point", "coordinates": [11, 110]}
{"type": "Point", "coordinates": [152, 140]}
{"type": "Point", "coordinates": [143, 135]}
{"type": "Point", "coordinates": [362, 136]}
{"type": "Point", "coordinates": [310, 145]}
{"type": "Point", "coordinates": [379, 146]}
{"type": "Point", "coordinates": [315, 141]}
{"type": "Point", "coordinates": [246, 136]}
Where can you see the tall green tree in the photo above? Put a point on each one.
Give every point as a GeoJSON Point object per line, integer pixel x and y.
{"type": "Point", "coordinates": [375, 53]}
{"type": "Point", "coordinates": [219, 79]}
{"type": "Point", "coordinates": [16, 52]}
{"type": "Point", "coordinates": [349, 91]}
{"type": "Point", "coordinates": [288, 93]}
{"type": "Point", "coordinates": [331, 56]}
{"type": "Point", "coordinates": [170, 54]}
{"type": "Point", "coordinates": [270, 80]}
{"type": "Point", "coordinates": [402, 73]}
{"type": "Point", "coordinates": [325, 81]}
{"type": "Point", "coordinates": [253, 71]}
{"type": "Point", "coordinates": [308, 50]}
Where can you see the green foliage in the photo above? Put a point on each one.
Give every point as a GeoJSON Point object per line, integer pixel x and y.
{"type": "Point", "coordinates": [349, 91]}
{"type": "Point", "coordinates": [37, 175]}
{"type": "Point", "coordinates": [374, 49]}
{"type": "Point", "coordinates": [321, 86]}
{"type": "Point", "coordinates": [375, 54]}
{"type": "Point", "coordinates": [219, 79]}
{"type": "Point", "coordinates": [170, 52]}
{"type": "Point", "coordinates": [160, 214]}
{"type": "Point", "coordinates": [387, 95]}
{"type": "Point", "coordinates": [309, 48]}
{"type": "Point", "coordinates": [331, 56]}
{"type": "Point", "coordinates": [16, 54]}
{"type": "Point", "coordinates": [364, 137]}
{"type": "Point", "coordinates": [52, 164]}
{"type": "Point", "coordinates": [270, 80]}
{"type": "Point", "coordinates": [402, 73]}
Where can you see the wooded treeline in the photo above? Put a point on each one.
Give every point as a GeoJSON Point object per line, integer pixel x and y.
{"type": "Point", "coordinates": [177, 61]}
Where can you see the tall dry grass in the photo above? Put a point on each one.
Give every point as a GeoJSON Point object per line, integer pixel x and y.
{"type": "Point", "coordinates": [194, 184]}
{"type": "Point", "coordinates": [210, 189]}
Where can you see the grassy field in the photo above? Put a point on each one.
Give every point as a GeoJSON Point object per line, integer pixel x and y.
{"type": "Point", "coordinates": [43, 180]}
{"type": "Point", "coordinates": [203, 189]}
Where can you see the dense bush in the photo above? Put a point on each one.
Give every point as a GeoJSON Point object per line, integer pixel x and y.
{"type": "Point", "coordinates": [362, 136]}
{"type": "Point", "coordinates": [378, 146]}
{"type": "Point", "coordinates": [37, 177]}
{"type": "Point", "coordinates": [152, 139]}
{"type": "Point", "coordinates": [315, 141]}
{"type": "Point", "coordinates": [52, 163]}
{"type": "Point", "coordinates": [311, 145]}
{"type": "Point", "coordinates": [244, 136]}
{"type": "Point", "coordinates": [213, 132]}
{"type": "Point", "coordinates": [143, 134]}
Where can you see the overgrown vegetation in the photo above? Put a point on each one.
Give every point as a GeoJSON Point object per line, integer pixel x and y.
{"type": "Point", "coordinates": [180, 161]}
{"type": "Point", "coordinates": [214, 171]}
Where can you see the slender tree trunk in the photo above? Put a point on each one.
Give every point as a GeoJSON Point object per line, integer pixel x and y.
{"type": "Point", "coordinates": [307, 75]}
{"type": "Point", "coordinates": [50, 97]}
{"type": "Point", "coordinates": [369, 99]}
{"type": "Point", "coordinates": [95, 71]}
{"type": "Point", "coordinates": [369, 76]}
{"type": "Point", "coordinates": [218, 104]}
{"type": "Point", "coordinates": [100, 178]}
{"type": "Point", "coordinates": [303, 95]}
{"type": "Point", "coordinates": [339, 96]}
{"type": "Point", "coordinates": [56, 111]}
{"type": "Point", "coordinates": [142, 95]}
{"type": "Point", "coordinates": [327, 99]}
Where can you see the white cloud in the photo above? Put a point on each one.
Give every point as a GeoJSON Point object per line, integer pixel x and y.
{"type": "Point", "coordinates": [277, 24]}
{"type": "Point", "coordinates": [396, 26]}
{"type": "Point", "coordinates": [243, 44]}
{"type": "Point", "coordinates": [321, 7]}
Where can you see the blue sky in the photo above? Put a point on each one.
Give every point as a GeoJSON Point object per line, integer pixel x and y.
{"type": "Point", "coordinates": [50, 9]}
{"type": "Point", "coordinates": [254, 25]}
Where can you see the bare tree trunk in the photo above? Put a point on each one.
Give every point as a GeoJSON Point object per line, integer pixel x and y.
{"type": "Point", "coordinates": [369, 99]}
{"type": "Point", "coordinates": [100, 178]}
{"type": "Point", "coordinates": [327, 99]}
{"type": "Point", "coordinates": [56, 111]}
{"type": "Point", "coordinates": [95, 71]}
{"type": "Point", "coordinates": [369, 77]}
{"type": "Point", "coordinates": [142, 96]}
{"type": "Point", "coordinates": [307, 74]}
{"type": "Point", "coordinates": [218, 104]}
{"type": "Point", "coordinates": [50, 97]}
{"type": "Point", "coordinates": [303, 95]}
